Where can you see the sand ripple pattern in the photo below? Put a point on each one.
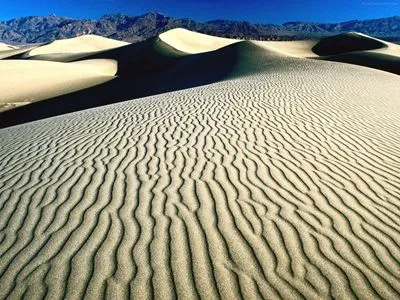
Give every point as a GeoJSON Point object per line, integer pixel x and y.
{"type": "Point", "coordinates": [277, 185]}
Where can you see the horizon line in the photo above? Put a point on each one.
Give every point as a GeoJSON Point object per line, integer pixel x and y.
{"type": "Point", "coordinates": [161, 13]}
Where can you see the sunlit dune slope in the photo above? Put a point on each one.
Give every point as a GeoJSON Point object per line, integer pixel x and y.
{"type": "Point", "coordinates": [194, 42]}
{"type": "Point", "coordinates": [30, 81]}
{"type": "Point", "coordinates": [73, 48]}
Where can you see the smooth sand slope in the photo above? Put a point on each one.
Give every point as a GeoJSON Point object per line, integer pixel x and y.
{"type": "Point", "coordinates": [193, 42]}
{"type": "Point", "coordinates": [7, 51]}
{"type": "Point", "coordinates": [73, 48]}
{"type": "Point", "coordinates": [353, 47]}
{"type": "Point", "coordinates": [25, 82]}
{"type": "Point", "coordinates": [279, 181]}
{"type": "Point", "coordinates": [292, 48]}
{"type": "Point", "coordinates": [5, 47]}
{"type": "Point", "coordinates": [360, 49]}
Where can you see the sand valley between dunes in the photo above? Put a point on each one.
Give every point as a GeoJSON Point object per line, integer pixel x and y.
{"type": "Point", "coordinates": [278, 180]}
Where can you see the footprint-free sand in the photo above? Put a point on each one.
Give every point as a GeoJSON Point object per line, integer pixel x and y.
{"type": "Point", "coordinates": [278, 180]}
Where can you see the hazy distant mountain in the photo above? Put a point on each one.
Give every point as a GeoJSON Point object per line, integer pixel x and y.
{"type": "Point", "coordinates": [135, 28]}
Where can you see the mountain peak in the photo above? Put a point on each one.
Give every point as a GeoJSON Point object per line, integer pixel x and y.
{"type": "Point", "coordinates": [35, 29]}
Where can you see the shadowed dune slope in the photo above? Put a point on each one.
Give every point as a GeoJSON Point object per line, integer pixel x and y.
{"type": "Point", "coordinates": [360, 49]}
{"type": "Point", "coordinates": [376, 60]}
{"type": "Point", "coordinates": [149, 56]}
{"type": "Point", "coordinates": [275, 184]}
{"type": "Point", "coordinates": [154, 67]}
{"type": "Point", "coordinates": [346, 42]}
{"type": "Point", "coordinates": [29, 81]}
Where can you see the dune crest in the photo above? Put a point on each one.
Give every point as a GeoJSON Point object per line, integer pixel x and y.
{"type": "Point", "coordinates": [292, 48]}
{"type": "Point", "coordinates": [347, 42]}
{"type": "Point", "coordinates": [5, 47]}
{"type": "Point", "coordinates": [30, 81]}
{"type": "Point", "coordinates": [360, 49]}
{"type": "Point", "coordinates": [79, 45]}
{"type": "Point", "coordinates": [193, 42]}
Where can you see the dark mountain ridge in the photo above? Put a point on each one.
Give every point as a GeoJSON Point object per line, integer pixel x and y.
{"type": "Point", "coordinates": [41, 29]}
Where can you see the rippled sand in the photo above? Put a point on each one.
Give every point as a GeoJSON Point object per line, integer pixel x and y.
{"type": "Point", "coordinates": [281, 181]}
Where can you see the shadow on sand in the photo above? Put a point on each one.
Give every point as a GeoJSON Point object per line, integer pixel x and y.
{"type": "Point", "coordinates": [146, 68]}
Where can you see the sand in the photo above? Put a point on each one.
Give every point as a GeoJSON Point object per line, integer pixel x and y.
{"type": "Point", "coordinates": [29, 81]}
{"type": "Point", "coordinates": [353, 47]}
{"type": "Point", "coordinates": [67, 50]}
{"type": "Point", "coordinates": [193, 42]}
{"type": "Point", "coordinates": [7, 51]}
{"type": "Point", "coordinates": [280, 179]}
{"type": "Point", "coordinates": [6, 47]}
{"type": "Point", "coordinates": [38, 72]}
{"type": "Point", "coordinates": [360, 49]}
{"type": "Point", "coordinates": [84, 43]}
{"type": "Point", "coordinates": [10, 53]}
{"type": "Point", "coordinates": [292, 48]}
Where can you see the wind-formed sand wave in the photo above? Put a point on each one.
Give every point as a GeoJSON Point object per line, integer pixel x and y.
{"type": "Point", "coordinates": [276, 184]}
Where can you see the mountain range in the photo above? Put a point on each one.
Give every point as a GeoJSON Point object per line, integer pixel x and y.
{"type": "Point", "coordinates": [41, 29]}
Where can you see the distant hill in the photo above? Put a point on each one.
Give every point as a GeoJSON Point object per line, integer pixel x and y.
{"type": "Point", "coordinates": [135, 28]}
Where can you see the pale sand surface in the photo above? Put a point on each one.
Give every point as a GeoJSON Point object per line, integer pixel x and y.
{"type": "Point", "coordinates": [282, 181]}
{"type": "Point", "coordinates": [193, 42]}
{"type": "Point", "coordinates": [84, 43]}
{"type": "Point", "coordinates": [390, 48]}
{"type": "Point", "coordinates": [292, 48]}
{"type": "Point", "coordinates": [24, 82]}
{"type": "Point", "coordinates": [304, 48]}
{"type": "Point", "coordinates": [67, 50]}
{"type": "Point", "coordinates": [360, 49]}
{"type": "Point", "coordinates": [4, 47]}
{"type": "Point", "coordinates": [9, 52]}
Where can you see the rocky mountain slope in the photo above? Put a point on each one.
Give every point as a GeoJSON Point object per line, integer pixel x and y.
{"type": "Point", "coordinates": [41, 29]}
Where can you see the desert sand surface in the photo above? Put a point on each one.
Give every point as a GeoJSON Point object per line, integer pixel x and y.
{"type": "Point", "coordinates": [292, 48]}
{"type": "Point", "coordinates": [29, 81]}
{"type": "Point", "coordinates": [360, 49]}
{"type": "Point", "coordinates": [7, 51]}
{"type": "Point", "coordinates": [193, 42]}
{"type": "Point", "coordinates": [254, 173]}
{"type": "Point", "coordinates": [67, 50]}
{"type": "Point", "coordinates": [84, 43]}
{"type": "Point", "coordinates": [353, 47]}
{"type": "Point", "coordinates": [4, 47]}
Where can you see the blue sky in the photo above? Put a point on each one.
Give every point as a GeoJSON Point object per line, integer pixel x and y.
{"type": "Point", "coordinates": [256, 11]}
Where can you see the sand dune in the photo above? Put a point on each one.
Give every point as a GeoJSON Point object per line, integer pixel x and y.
{"type": "Point", "coordinates": [347, 42]}
{"type": "Point", "coordinates": [292, 48]}
{"type": "Point", "coordinates": [5, 47]}
{"type": "Point", "coordinates": [73, 48]}
{"type": "Point", "coordinates": [360, 49]}
{"type": "Point", "coordinates": [8, 52]}
{"type": "Point", "coordinates": [194, 42]}
{"type": "Point", "coordinates": [29, 81]}
{"type": "Point", "coordinates": [371, 59]}
{"type": "Point", "coordinates": [261, 175]}
{"type": "Point", "coordinates": [154, 67]}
